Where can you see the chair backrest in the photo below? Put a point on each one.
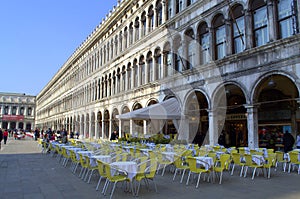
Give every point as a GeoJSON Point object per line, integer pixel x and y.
{"type": "Point", "coordinates": [224, 159]}
{"type": "Point", "coordinates": [82, 160]}
{"type": "Point", "coordinates": [151, 170]}
{"type": "Point", "coordinates": [236, 157]}
{"type": "Point", "coordinates": [270, 160]}
{"type": "Point", "coordinates": [213, 155]}
{"type": "Point", "coordinates": [279, 155]}
{"type": "Point", "coordinates": [192, 162]}
{"type": "Point", "coordinates": [248, 159]}
{"type": "Point", "coordinates": [101, 168]}
{"type": "Point", "coordinates": [293, 157]}
{"type": "Point", "coordinates": [143, 161]}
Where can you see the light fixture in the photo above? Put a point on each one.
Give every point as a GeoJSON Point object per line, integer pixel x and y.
{"type": "Point", "coordinates": [271, 83]}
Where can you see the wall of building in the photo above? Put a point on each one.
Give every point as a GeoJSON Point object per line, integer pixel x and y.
{"type": "Point", "coordinates": [147, 51]}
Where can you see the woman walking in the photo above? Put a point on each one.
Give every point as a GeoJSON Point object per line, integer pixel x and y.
{"type": "Point", "coordinates": [5, 135]}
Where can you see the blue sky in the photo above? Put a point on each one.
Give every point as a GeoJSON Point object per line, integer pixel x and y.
{"type": "Point", "coordinates": [38, 36]}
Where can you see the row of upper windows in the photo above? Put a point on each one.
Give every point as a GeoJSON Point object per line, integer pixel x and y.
{"type": "Point", "coordinates": [14, 110]}
{"type": "Point", "coordinates": [213, 41]}
{"type": "Point", "coordinates": [286, 27]}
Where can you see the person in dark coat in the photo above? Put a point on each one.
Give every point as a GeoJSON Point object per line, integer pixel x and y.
{"type": "Point", "coordinates": [288, 142]}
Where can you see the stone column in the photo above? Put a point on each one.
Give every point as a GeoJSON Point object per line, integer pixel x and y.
{"type": "Point", "coordinates": [144, 127]}
{"type": "Point", "coordinates": [271, 20]}
{"type": "Point", "coordinates": [211, 43]}
{"type": "Point", "coordinates": [229, 41]}
{"type": "Point", "coordinates": [248, 29]}
{"type": "Point", "coordinates": [213, 127]}
{"type": "Point", "coordinates": [252, 124]}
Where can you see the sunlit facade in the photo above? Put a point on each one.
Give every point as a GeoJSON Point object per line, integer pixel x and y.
{"type": "Point", "coordinates": [17, 111]}
{"type": "Point", "coordinates": [232, 66]}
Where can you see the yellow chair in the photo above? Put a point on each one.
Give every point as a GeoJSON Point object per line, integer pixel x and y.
{"type": "Point", "coordinates": [224, 165]}
{"type": "Point", "coordinates": [294, 161]}
{"type": "Point", "coordinates": [180, 165]}
{"type": "Point", "coordinates": [270, 162]}
{"type": "Point", "coordinates": [142, 165]}
{"type": "Point", "coordinates": [162, 162]}
{"type": "Point", "coordinates": [280, 160]}
{"type": "Point", "coordinates": [90, 168]}
{"type": "Point", "coordinates": [236, 158]}
{"type": "Point", "coordinates": [251, 164]}
{"type": "Point", "coordinates": [119, 176]}
{"type": "Point", "coordinates": [193, 169]}
{"type": "Point", "coordinates": [102, 173]}
{"type": "Point", "coordinates": [75, 161]}
{"type": "Point", "coordinates": [84, 166]}
{"type": "Point", "coordinates": [150, 172]}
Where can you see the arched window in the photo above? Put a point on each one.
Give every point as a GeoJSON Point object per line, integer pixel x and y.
{"type": "Point", "coordinates": [150, 67]}
{"type": "Point", "coordinates": [159, 13]}
{"type": "Point", "coordinates": [125, 38]}
{"type": "Point", "coordinates": [177, 51]}
{"type": "Point", "coordinates": [144, 24]}
{"type": "Point", "coordinates": [136, 73]}
{"type": "Point", "coordinates": [169, 11]}
{"type": "Point", "coordinates": [123, 78]}
{"type": "Point", "coordinates": [137, 29]}
{"type": "Point", "coordinates": [260, 22]}
{"type": "Point", "coordinates": [108, 52]}
{"type": "Point", "coordinates": [190, 48]}
{"type": "Point", "coordinates": [116, 45]}
{"type": "Point", "coordinates": [179, 6]}
{"type": "Point", "coordinates": [158, 64]}
{"type": "Point", "coordinates": [121, 42]}
{"type": "Point", "coordinates": [151, 18]}
{"type": "Point", "coordinates": [238, 29]}
{"type": "Point", "coordinates": [204, 42]}
{"type": "Point", "coordinates": [219, 37]}
{"type": "Point", "coordinates": [167, 58]}
{"type": "Point", "coordinates": [129, 75]}
{"type": "Point", "coordinates": [142, 68]}
{"type": "Point", "coordinates": [131, 33]}
{"type": "Point", "coordinates": [286, 10]}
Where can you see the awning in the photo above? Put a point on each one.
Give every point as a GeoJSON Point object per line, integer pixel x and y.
{"type": "Point", "coordinates": [167, 110]}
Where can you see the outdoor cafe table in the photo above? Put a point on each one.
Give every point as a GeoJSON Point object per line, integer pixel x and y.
{"type": "Point", "coordinates": [103, 158]}
{"type": "Point", "coordinates": [129, 166]}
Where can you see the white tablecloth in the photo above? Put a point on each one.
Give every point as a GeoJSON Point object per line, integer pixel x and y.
{"type": "Point", "coordinates": [129, 166]}
{"type": "Point", "coordinates": [258, 159]}
{"type": "Point", "coordinates": [208, 161]}
{"type": "Point", "coordinates": [168, 155]}
{"type": "Point", "coordinates": [103, 158]}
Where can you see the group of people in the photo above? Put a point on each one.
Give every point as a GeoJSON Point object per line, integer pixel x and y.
{"type": "Point", "coordinates": [3, 136]}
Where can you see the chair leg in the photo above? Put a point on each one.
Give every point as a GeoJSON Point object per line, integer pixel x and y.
{"type": "Point", "coordinates": [187, 181]}
{"type": "Point", "coordinates": [175, 174]}
{"type": "Point", "coordinates": [99, 182]}
{"type": "Point", "coordinates": [232, 169]}
{"type": "Point", "coordinates": [198, 180]}
{"type": "Point", "coordinates": [253, 173]}
{"type": "Point", "coordinates": [221, 176]}
{"type": "Point", "coordinates": [112, 191]}
{"type": "Point", "coordinates": [182, 175]}
{"type": "Point", "coordinates": [242, 169]}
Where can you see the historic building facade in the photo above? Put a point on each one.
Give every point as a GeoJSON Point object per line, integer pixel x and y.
{"type": "Point", "coordinates": [17, 111]}
{"type": "Point", "coordinates": [232, 65]}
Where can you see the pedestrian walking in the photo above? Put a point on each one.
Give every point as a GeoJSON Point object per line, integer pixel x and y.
{"type": "Point", "coordinates": [5, 136]}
